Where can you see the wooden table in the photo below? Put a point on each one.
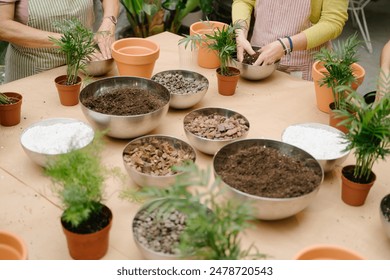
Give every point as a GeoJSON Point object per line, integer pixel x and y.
{"type": "Point", "coordinates": [29, 208]}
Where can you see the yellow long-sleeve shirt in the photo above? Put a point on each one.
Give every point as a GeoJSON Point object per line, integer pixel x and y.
{"type": "Point", "coordinates": [327, 16]}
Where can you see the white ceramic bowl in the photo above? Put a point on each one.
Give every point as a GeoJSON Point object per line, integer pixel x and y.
{"type": "Point", "coordinates": [45, 140]}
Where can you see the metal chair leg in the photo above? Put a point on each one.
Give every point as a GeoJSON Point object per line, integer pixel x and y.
{"type": "Point", "coordinates": [357, 8]}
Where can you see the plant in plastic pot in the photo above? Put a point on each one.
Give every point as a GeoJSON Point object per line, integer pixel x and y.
{"type": "Point", "coordinates": [10, 108]}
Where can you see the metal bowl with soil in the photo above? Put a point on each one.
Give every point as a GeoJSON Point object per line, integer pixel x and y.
{"type": "Point", "coordinates": [187, 88]}
{"type": "Point", "coordinates": [149, 159]}
{"type": "Point", "coordinates": [279, 179]}
{"type": "Point", "coordinates": [209, 129]}
{"type": "Point", "coordinates": [125, 107]}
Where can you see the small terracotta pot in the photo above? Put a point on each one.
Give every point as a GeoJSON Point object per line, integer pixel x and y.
{"type": "Point", "coordinates": [12, 247]}
{"type": "Point", "coordinates": [90, 246]}
{"type": "Point", "coordinates": [353, 193]}
{"type": "Point", "coordinates": [206, 58]}
{"type": "Point", "coordinates": [135, 56]}
{"type": "Point", "coordinates": [227, 84]}
{"type": "Point", "coordinates": [68, 94]}
{"type": "Point", "coordinates": [334, 120]}
{"type": "Point", "coordinates": [324, 95]}
{"type": "Point", "coordinates": [10, 113]}
{"type": "Point", "coordinates": [327, 252]}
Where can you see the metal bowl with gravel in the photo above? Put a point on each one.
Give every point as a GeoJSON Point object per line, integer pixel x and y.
{"type": "Point", "coordinates": [187, 88]}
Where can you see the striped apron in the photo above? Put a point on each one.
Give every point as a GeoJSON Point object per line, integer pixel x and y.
{"type": "Point", "coordinates": [279, 18]}
{"type": "Point", "coordinates": [21, 61]}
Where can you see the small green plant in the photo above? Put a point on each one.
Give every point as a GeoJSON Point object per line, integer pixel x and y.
{"type": "Point", "coordinates": [78, 178]}
{"type": "Point", "coordinates": [77, 44]}
{"type": "Point", "coordinates": [337, 62]}
{"type": "Point", "coordinates": [213, 230]}
{"type": "Point", "coordinates": [369, 130]}
{"type": "Point", "coordinates": [4, 99]}
{"type": "Point", "coordinates": [223, 41]}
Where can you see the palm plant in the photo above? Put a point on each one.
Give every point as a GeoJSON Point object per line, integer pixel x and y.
{"type": "Point", "coordinates": [369, 130]}
{"type": "Point", "coordinates": [223, 41]}
{"type": "Point", "coordinates": [77, 44]}
{"type": "Point", "coordinates": [4, 99]}
{"type": "Point", "coordinates": [211, 232]}
{"type": "Point", "coordinates": [337, 62]}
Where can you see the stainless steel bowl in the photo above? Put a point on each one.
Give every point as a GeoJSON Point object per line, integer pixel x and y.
{"type": "Point", "coordinates": [99, 67]}
{"type": "Point", "coordinates": [144, 179]}
{"type": "Point", "coordinates": [195, 92]}
{"type": "Point", "coordinates": [269, 208]}
{"type": "Point", "coordinates": [130, 126]}
{"type": "Point", "coordinates": [324, 149]}
{"type": "Point", "coordinates": [203, 144]}
{"type": "Point", "coordinates": [255, 72]}
{"type": "Point", "coordinates": [47, 139]}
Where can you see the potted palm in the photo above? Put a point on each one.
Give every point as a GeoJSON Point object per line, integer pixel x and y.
{"type": "Point", "coordinates": [212, 227]}
{"type": "Point", "coordinates": [223, 41]}
{"type": "Point", "coordinates": [10, 108]}
{"type": "Point", "coordinates": [336, 67]}
{"type": "Point", "coordinates": [78, 178]}
{"type": "Point", "coordinates": [369, 137]}
{"type": "Point", "coordinates": [77, 44]}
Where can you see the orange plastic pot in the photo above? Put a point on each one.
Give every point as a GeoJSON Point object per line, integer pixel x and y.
{"type": "Point", "coordinates": [68, 94]}
{"type": "Point", "coordinates": [327, 252]}
{"type": "Point", "coordinates": [324, 95]}
{"type": "Point", "coordinates": [12, 247]}
{"type": "Point", "coordinates": [135, 56]}
{"type": "Point", "coordinates": [227, 84]}
{"type": "Point", "coordinates": [206, 58]}
{"type": "Point", "coordinates": [10, 113]}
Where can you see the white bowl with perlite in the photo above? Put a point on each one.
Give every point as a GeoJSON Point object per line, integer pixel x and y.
{"type": "Point", "coordinates": [45, 140]}
{"type": "Point", "coordinates": [325, 143]}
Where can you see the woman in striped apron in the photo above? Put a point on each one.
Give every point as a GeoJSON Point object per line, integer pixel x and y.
{"type": "Point", "coordinates": [289, 31]}
{"type": "Point", "coordinates": [27, 25]}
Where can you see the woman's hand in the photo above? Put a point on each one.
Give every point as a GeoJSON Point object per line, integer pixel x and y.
{"type": "Point", "coordinates": [105, 37]}
{"type": "Point", "coordinates": [243, 45]}
{"type": "Point", "coordinates": [270, 53]}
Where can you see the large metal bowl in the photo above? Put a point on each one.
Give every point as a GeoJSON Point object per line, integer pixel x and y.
{"type": "Point", "coordinates": [145, 179]}
{"type": "Point", "coordinates": [187, 88]}
{"type": "Point", "coordinates": [323, 142]}
{"type": "Point", "coordinates": [99, 67]}
{"type": "Point", "coordinates": [206, 145]}
{"type": "Point", "coordinates": [269, 208]}
{"type": "Point", "coordinates": [40, 141]}
{"type": "Point", "coordinates": [130, 126]}
{"type": "Point", "coordinates": [255, 72]}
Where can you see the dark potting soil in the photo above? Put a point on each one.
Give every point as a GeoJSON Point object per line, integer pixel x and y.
{"type": "Point", "coordinates": [385, 207]}
{"type": "Point", "coordinates": [96, 221]}
{"type": "Point", "coordinates": [266, 172]}
{"type": "Point", "coordinates": [125, 102]}
{"type": "Point", "coordinates": [250, 59]}
{"type": "Point", "coordinates": [348, 172]}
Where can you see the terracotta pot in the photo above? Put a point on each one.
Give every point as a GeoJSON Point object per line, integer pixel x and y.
{"type": "Point", "coordinates": [353, 193]}
{"type": "Point", "coordinates": [327, 252]}
{"type": "Point", "coordinates": [12, 247]}
{"type": "Point", "coordinates": [324, 95]}
{"type": "Point", "coordinates": [384, 214]}
{"type": "Point", "coordinates": [135, 56]}
{"type": "Point", "coordinates": [68, 94]}
{"type": "Point", "coordinates": [90, 246]}
{"type": "Point", "coordinates": [10, 113]}
{"type": "Point", "coordinates": [206, 58]}
{"type": "Point", "coordinates": [334, 120]}
{"type": "Point", "coordinates": [227, 84]}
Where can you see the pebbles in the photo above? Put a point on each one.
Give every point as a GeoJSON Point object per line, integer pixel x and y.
{"type": "Point", "coordinates": [216, 126]}
{"type": "Point", "coordinates": [159, 233]}
{"type": "Point", "coordinates": [177, 83]}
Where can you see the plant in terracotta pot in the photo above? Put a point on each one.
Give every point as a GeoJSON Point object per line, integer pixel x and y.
{"type": "Point", "coordinates": [10, 108]}
{"type": "Point", "coordinates": [212, 227]}
{"type": "Point", "coordinates": [369, 138]}
{"type": "Point", "coordinates": [77, 44]}
{"type": "Point", "coordinates": [336, 67]}
{"type": "Point", "coordinates": [223, 41]}
{"type": "Point", "coordinates": [79, 178]}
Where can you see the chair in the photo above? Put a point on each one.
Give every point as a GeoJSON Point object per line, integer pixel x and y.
{"type": "Point", "coordinates": [356, 7]}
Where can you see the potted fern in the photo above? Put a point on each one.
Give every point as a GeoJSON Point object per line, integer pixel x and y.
{"type": "Point", "coordinates": [223, 41]}
{"type": "Point", "coordinates": [77, 44]}
{"type": "Point", "coordinates": [368, 137]}
{"type": "Point", "coordinates": [78, 177]}
{"type": "Point", "coordinates": [335, 67]}
{"type": "Point", "coordinates": [10, 108]}
{"type": "Point", "coordinates": [212, 227]}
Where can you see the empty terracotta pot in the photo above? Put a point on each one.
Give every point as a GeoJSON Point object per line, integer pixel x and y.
{"type": "Point", "coordinates": [12, 247]}
{"type": "Point", "coordinates": [135, 56]}
{"type": "Point", "coordinates": [327, 252]}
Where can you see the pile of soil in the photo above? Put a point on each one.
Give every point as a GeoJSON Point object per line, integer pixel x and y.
{"type": "Point", "coordinates": [266, 172]}
{"type": "Point", "coordinates": [250, 59]}
{"type": "Point", "coordinates": [125, 102]}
